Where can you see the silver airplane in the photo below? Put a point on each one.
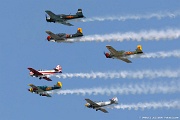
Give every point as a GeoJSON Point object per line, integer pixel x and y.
{"type": "Point", "coordinates": [99, 105]}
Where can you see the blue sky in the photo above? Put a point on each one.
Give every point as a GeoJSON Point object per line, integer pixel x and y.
{"type": "Point", "coordinates": [23, 44]}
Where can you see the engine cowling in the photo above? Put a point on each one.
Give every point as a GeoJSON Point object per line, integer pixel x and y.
{"type": "Point", "coordinates": [48, 38]}
{"type": "Point", "coordinates": [107, 55]}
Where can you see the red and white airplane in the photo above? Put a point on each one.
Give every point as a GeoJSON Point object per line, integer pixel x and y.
{"type": "Point", "coordinates": [43, 74]}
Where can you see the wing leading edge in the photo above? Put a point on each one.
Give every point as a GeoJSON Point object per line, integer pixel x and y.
{"type": "Point", "coordinates": [35, 71]}
{"type": "Point", "coordinates": [96, 106]}
{"type": "Point", "coordinates": [112, 50]}
{"type": "Point", "coordinates": [54, 36]}
{"type": "Point", "coordinates": [103, 110]}
{"type": "Point", "coordinates": [92, 103]}
{"type": "Point", "coordinates": [124, 59]}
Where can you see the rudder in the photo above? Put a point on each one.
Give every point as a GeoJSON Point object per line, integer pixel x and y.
{"type": "Point", "coordinates": [139, 49]}
{"type": "Point", "coordinates": [59, 84]}
{"type": "Point", "coordinates": [79, 30]}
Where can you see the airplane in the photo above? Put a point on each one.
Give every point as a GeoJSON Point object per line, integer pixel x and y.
{"type": "Point", "coordinates": [122, 55]}
{"type": "Point", "coordinates": [63, 37]}
{"type": "Point", "coordinates": [100, 105]}
{"type": "Point", "coordinates": [41, 90]}
{"type": "Point", "coordinates": [43, 74]}
{"type": "Point", "coordinates": [62, 18]}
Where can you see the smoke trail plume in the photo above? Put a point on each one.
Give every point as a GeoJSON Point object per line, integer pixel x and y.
{"type": "Point", "coordinates": [162, 54]}
{"type": "Point", "coordinates": [124, 74]}
{"type": "Point", "coordinates": [158, 15]}
{"type": "Point", "coordinates": [134, 36]}
{"type": "Point", "coordinates": [143, 88]}
{"type": "Point", "coordinates": [173, 104]}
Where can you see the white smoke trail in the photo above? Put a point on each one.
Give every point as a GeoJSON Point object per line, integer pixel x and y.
{"type": "Point", "coordinates": [149, 105]}
{"type": "Point", "coordinates": [143, 88]}
{"type": "Point", "coordinates": [158, 15]}
{"type": "Point", "coordinates": [162, 54]}
{"type": "Point", "coordinates": [134, 36]}
{"type": "Point", "coordinates": [150, 74]}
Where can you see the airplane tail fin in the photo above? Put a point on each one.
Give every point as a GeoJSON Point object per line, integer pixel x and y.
{"type": "Point", "coordinates": [139, 49]}
{"type": "Point", "coordinates": [58, 68]}
{"type": "Point", "coordinates": [79, 31]}
{"type": "Point", "coordinates": [59, 84]}
{"type": "Point", "coordinates": [79, 13]}
{"type": "Point", "coordinates": [114, 100]}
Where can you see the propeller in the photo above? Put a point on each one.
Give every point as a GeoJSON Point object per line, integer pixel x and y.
{"type": "Point", "coordinates": [46, 16]}
{"type": "Point", "coordinates": [107, 55]}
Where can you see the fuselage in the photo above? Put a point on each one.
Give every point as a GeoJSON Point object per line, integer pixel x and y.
{"type": "Point", "coordinates": [44, 88]}
{"type": "Point", "coordinates": [44, 73]}
{"type": "Point", "coordinates": [63, 36]}
{"type": "Point", "coordinates": [101, 104]}
{"type": "Point", "coordinates": [62, 17]}
{"type": "Point", "coordinates": [121, 54]}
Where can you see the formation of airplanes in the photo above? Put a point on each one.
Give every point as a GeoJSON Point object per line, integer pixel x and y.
{"type": "Point", "coordinates": [67, 38]}
{"type": "Point", "coordinates": [99, 105]}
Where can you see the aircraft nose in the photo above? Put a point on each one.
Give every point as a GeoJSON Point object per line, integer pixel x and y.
{"type": "Point", "coordinates": [48, 38]}
{"type": "Point", "coordinates": [107, 55]}
{"type": "Point", "coordinates": [86, 104]}
{"type": "Point", "coordinates": [30, 89]}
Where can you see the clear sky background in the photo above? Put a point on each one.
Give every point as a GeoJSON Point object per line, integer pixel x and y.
{"type": "Point", "coordinates": [23, 44]}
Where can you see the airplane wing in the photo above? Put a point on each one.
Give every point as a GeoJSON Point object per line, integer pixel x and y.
{"type": "Point", "coordinates": [66, 23]}
{"type": "Point", "coordinates": [48, 95]}
{"type": "Point", "coordinates": [111, 49]}
{"type": "Point", "coordinates": [35, 71]}
{"type": "Point", "coordinates": [103, 110]}
{"type": "Point", "coordinates": [92, 103]}
{"type": "Point", "coordinates": [56, 37]}
{"type": "Point", "coordinates": [46, 78]}
{"type": "Point", "coordinates": [124, 59]}
{"type": "Point", "coordinates": [38, 89]}
{"type": "Point", "coordinates": [51, 14]}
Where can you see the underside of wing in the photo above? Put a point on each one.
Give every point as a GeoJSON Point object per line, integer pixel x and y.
{"type": "Point", "coordinates": [111, 49]}
{"type": "Point", "coordinates": [54, 36]}
{"type": "Point", "coordinates": [124, 59]}
{"type": "Point", "coordinates": [46, 78]}
{"type": "Point", "coordinates": [38, 89]}
{"type": "Point", "coordinates": [103, 110]}
{"type": "Point", "coordinates": [48, 95]}
{"type": "Point", "coordinates": [35, 71]}
{"type": "Point", "coordinates": [66, 23]}
{"type": "Point", "coordinates": [92, 103]}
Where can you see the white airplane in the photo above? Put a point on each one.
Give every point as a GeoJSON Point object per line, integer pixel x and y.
{"type": "Point", "coordinates": [100, 105]}
{"type": "Point", "coordinates": [43, 74]}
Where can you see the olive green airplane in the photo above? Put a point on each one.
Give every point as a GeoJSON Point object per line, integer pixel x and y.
{"type": "Point", "coordinates": [42, 90]}
{"type": "Point", "coordinates": [122, 55]}
{"type": "Point", "coordinates": [63, 37]}
{"type": "Point", "coordinates": [62, 18]}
